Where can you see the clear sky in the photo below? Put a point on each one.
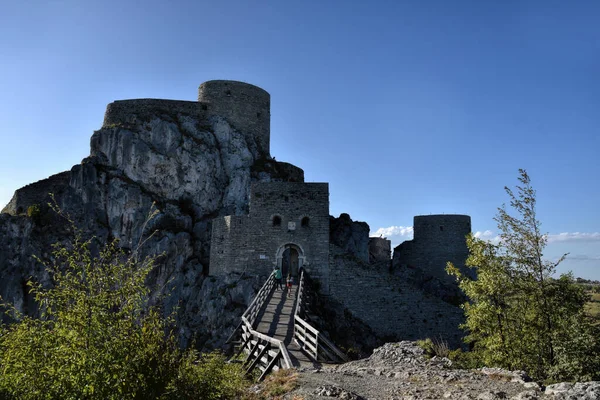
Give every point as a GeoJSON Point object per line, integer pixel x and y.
{"type": "Point", "coordinates": [405, 107]}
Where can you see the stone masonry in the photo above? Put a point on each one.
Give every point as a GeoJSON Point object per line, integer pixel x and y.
{"type": "Point", "coordinates": [437, 240]}
{"type": "Point", "coordinates": [37, 193]}
{"type": "Point", "coordinates": [390, 305]}
{"type": "Point", "coordinates": [287, 220]}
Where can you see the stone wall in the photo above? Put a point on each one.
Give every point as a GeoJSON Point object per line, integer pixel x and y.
{"type": "Point", "coordinates": [392, 307]}
{"type": "Point", "coordinates": [132, 112]}
{"type": "Point", "coordinates": [282, 215]}
{"type": "Point", "coordinates": [245, 107]}
{"type": "Point", "coordinates": [37, 193]}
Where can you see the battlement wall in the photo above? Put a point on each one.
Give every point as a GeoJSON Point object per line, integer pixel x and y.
{"type": "Point", "coordinates": [389, 304]}
{"type": "Point", "coordinates": [130, 112]}
{"type": "Point", "coordinates": [37, 193]}
{"type": "Point", "coordinates": [247, 108]}
{"type": "Point", "coordinates": [291, 199]}
{"type": "Point", "coordinates": [225, 257]}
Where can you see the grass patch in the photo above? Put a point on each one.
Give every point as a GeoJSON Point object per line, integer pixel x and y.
{"type": "Point", "coordinates": [276, 385]}
{"type": "Point", "coordinates": [434, 347]}
{"type": "Point", "coordinates": [592, 307]}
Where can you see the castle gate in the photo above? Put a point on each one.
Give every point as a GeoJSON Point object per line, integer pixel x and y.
{"type": "Point", "coordinates": [290, 258]}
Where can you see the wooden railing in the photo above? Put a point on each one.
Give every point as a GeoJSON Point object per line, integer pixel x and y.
{"type": "Point", "coordinates": [263, 351]}
{"type": "Point", "coordinates": [308, 337]}
{"type": "Point", "coordinates": [259, 300]}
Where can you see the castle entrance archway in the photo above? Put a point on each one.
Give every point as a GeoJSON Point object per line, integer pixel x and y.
{"type": "Point", "coordinates": [290, 258]}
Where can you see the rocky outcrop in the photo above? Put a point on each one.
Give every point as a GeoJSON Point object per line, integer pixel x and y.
{"type": "Point", "coordinates": [351, 236]}
{"type": "Point", "coordinates": [190, 169]}
{"type": "Point", "coordinates": [400, 371]}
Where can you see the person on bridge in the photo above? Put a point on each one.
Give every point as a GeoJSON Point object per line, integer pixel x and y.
{"type": "Point", "coordinates": [278, 277]}
{"type": "Point", "coordinates": [289, 283]}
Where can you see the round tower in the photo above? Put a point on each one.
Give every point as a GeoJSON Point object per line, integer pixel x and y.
{"type": "Point", "coordinates": [246, 107]}
{"type": "Point", "coordinates": [449, 229]}
{"type": "Point", "coordinates": [439, 239]}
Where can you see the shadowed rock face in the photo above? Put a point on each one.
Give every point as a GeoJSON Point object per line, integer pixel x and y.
{"type": "Point", "coordinates": [350, 236]}
{"type": "Point", "coordinates": [191, 168]}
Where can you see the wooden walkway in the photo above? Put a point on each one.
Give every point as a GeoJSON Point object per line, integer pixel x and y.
{"type": "Point", "coordinates": [277, 320]}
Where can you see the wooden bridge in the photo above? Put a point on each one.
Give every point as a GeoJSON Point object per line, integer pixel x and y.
{"type": "Point", "coordinates": [275, 331]}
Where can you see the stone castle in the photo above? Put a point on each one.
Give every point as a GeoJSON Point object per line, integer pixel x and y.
{"type": "Point", "coordinates": [227, 207]}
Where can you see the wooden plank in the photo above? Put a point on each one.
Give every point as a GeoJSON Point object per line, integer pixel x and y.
{"type": "Point", "coordinates": [286, 356]}
{"type": "Point", "coordinates": [311, 346]}
{"type": "Point", "coordinates": [306, 325]}
{"type": "Point", "coordinates": [234, 332]}
{"type": "Point", "coordinates": [258, 358]}
{"type": "Point", "coordinates": [328, 355]}
{"type": "Point", "coordinates": [242, 347]}
{"type": "Point", "coordinates": [334, 348]}
{"type": "Point", "coordinates": [251, 353]}
{"type": "Point", "coordinates": [268, 369]}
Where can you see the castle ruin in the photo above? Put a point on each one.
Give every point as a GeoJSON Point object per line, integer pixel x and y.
{"type": "Point", "coordinates": [288, 227]}
{"type": "Point", "coordinates": [226, 206]}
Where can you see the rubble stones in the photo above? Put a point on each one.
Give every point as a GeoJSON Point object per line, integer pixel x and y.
{"type": "Point", "coordinates": [400, 371]}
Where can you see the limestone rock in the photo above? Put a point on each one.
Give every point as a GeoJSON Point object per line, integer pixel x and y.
{"type": "Point", "coordinates": [400, 371]}
{"type": "Point", "coordinates": [572, 391]}
{"type": "Point", "coordinates": [188, 168]}
{"type": "Point", "coordinates": [350, 236]}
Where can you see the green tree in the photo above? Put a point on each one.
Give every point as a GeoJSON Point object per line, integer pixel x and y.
{"type": "Point", "coordinates": [99, 338]}
{"type": "Point", "coordinates": [518, 315]}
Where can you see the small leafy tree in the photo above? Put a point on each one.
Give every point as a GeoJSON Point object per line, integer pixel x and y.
{"type": "Point", "coordinates": [99, 338]}
{"type": "Point", "coordinates": [518, 315]}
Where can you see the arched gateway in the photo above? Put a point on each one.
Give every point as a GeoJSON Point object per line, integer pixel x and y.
{"type": "Point", "coordinates": [290, 258]}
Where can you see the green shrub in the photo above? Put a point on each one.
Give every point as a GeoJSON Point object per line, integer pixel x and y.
{"type": "Point", "coordinates": [206, 377]}
{"type": "Point", "coordinates": [34, 212]}
{"type": "Point", "coordinates": [465, 359]}
{"type": "Point", "coordinates": [434, 347]}
{"type": "Point", "coordinates": [99, 338]}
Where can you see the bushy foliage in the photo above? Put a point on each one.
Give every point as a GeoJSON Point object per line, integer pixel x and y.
{"type": "Point", "coordinates": [434, 347]}
{"type": "Point", "coordinates": [207, 377]}
{"type": "Point", "coordinates": [518, 315]}
{"type": "Point", "coordinates": [99, 338]}
{"type": "Point", "coordinates": [33, 211]}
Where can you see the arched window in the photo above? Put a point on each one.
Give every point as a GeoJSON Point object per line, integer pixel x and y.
{"type": "Point", "coordinates": [276, 220]}
{"type": "Point", "coordinates": [305, 222]}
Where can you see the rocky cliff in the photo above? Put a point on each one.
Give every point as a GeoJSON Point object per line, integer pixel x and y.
{"type": "Point", "coordinates": [189, 167]}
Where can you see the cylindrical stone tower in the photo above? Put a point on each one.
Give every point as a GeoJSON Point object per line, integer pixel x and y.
{"type": "Point", "coordinates": [447, 229]}
{"type": "Point", "coordinates": [439, 239]}
{"type": "Point", "coordinates": [246, 107]}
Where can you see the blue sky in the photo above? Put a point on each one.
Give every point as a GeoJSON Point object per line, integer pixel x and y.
{"type": "Point", "coordinates": [405, 108]}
